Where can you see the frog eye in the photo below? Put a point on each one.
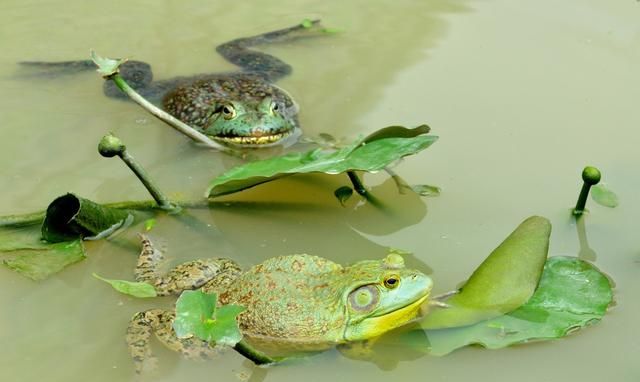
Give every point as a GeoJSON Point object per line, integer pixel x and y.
{"type": "Point", "coordinates": [274, 107]}
{"type": "Point", "coordinates": [391, 281]}
{"type": "Point", "coordinates": [228, 112]}
{"type": "Point", "coordinates": [364, 298]}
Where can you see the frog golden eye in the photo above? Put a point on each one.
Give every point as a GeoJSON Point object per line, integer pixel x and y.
{"type": "Point", "coordinates": [391, 281]}
{"type": "Point", "coordinates": [274, 107]}
{"type": "Point", "coordinates": [228, 112]}
{"type": "Point", "coordinates": [364, 298]}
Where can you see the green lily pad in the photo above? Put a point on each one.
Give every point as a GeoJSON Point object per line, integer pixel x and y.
{"type": "Point", "coordinates": [69, 217]}
{"type": "Point", "coordinates": [132, 288]}
{"type": "Point", "coordinates": [572, 294]}
{"type": "Point", "coordinates": [22, 251]}
{"type": "Point", "coordinates": [197, 315]}
{"type": "Point", "coordinates": [604, 196]}
{"type": "Point", "coordinates": [371, 154]}
{"type": "Point", "coordinates": [504, 281]}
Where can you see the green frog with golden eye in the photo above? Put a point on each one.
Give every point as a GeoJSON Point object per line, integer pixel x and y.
{"type": "Point", "coordinates": [293, 303]}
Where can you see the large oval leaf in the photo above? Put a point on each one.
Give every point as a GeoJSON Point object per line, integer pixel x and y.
{"type": "Point", "coordinates": [572, 294]}
{"type": "Point", "coordinates": [373, 153]}
{"type": "Point", "coordinates": [504, 281]}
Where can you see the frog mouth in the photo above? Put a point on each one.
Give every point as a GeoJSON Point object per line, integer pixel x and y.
{"type": "Point", "coordinates": [258, 138]}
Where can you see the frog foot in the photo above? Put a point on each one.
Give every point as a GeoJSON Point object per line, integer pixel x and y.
{"type": "Point", "coordinates": [160, 323]}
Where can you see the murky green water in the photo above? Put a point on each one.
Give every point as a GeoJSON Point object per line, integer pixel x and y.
{"type": "Point", "coordinates": [522, 95]}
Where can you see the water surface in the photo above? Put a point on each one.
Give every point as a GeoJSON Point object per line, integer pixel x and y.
{"type": "Point", "coordinates": [523, 95]}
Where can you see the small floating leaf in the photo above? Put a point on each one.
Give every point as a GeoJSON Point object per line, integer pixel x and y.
{"type": "Point", "coordinates": [343, 194]}
{"type": "Point", "coordinates": [572, 294]}
{"type": "Point", "coordinates": [197, 315]}
{"type": "Point", "coordinates": [307, 23]}
{"type": "Point", "coordinates": [106, 66]}
{"type": "Point", "coordinates": [604, 196]}
{"type": "Point", "coordinates": [132, 288]}
{"type": "Point", "coordinates": [371, 154]}
{"type": "Point", "coordinates": [504, 281]}
{"type": "Point", "coordinates": [149, 224]}
{"type": "Point", "coordinates": [426, 190]}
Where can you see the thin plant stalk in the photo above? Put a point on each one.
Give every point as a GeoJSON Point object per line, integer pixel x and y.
{"type": "Point", "coordinates": [256, 356]}
{"type": "Point", "coordinates": [164, 116]}
{"type": "Point", "coordinates": [357, 183]}
{"type": "Point", "coordinates": [590, 176]}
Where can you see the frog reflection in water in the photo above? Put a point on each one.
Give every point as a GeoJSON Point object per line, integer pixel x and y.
{"type": "Point", "coordinates": [241, 108]}
{"type": "Point", "coordinates": [296, 302]}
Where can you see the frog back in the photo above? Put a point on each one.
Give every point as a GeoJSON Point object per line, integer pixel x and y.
{"type": "Point", "coordinates": [291, 299]}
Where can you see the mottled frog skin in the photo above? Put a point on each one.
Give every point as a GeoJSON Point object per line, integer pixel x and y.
{"type": "Point", "coordinates": [241, 108]}
{"type": "Point", "coordinates": [300, 302]}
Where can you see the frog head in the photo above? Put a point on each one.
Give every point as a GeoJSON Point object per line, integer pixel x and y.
{"type": "Point", "coordinates": [238, 123]}
{"type": "Point", "coordinates": [386, 296]}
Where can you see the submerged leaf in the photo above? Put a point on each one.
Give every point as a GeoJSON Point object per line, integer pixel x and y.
{"type": "Point", "coordinates": [38, 261]}
{"type": "Point", "coordinates": [23, 251]}
{"type": "Point", "coordinates": [371, 154]}
{"type": "Point", "coordinates": [504, 281]}
{"type": "Point", "coordinates": [572, 294]}
{"type": "Point", "coordinates": [132, 288]}
{"type": "Point", "coordinates": [69, 217]}
{"type": "Point", "coordinates": [196, 315]}
{"type": "Point", "coordinates": [604, 196]}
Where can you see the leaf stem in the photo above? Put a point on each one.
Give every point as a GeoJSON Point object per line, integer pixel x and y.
{"type": "Point", "coordinates": [142, 174]}
{"type": "Point", "coordinates": [111, 146]}
{"type": "Point", "coordinates": [164, 116]}
{"type": "Point", "coordinates": [256, 356]}
{"type": "Point", "coordinates": [357, 183]}
{"type": "Point", "coordinates": [590, 176]}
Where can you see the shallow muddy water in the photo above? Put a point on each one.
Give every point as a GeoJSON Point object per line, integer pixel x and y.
{"type": "Point", "coordinates": [522, 95]}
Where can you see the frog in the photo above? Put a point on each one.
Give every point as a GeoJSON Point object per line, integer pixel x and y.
{"type": "Point", "coordinates": [295, 302]}
{"type": "Point", "coordinates": [240, 108]}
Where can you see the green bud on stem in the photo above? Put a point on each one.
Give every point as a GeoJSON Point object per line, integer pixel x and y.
{"type": "Point", "coordinates": [591, 176]}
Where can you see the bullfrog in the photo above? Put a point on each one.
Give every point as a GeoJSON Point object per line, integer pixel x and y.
{"type": "Point", "coordinates": [242, 108]}
{"type": "Point", "coordinates": [297, 301]}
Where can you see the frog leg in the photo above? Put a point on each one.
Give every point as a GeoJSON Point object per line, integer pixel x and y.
{"type": "Point", "coordinates": [160, 322]}
{"type": "Point", "coordinates": [237, 51]}
{"type": "Point", "coordinates": [209, 274]}
{"type": "Point", "coordinates": [138, 74]}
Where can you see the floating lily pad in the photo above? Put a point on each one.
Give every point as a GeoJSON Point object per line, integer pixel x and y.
{"type": "Point", "coordinates": [371, 154]}
{"type": "Point", "coordinates": [197, 315]}
{"type": "Point", "coordinates": [504, 281]}
{"type": "Point", "coordinates": [132, 288]}
{"type": "Point", "coordinates": [572, 294]}
{"type": "Point", "coordinates": [22, 251]}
